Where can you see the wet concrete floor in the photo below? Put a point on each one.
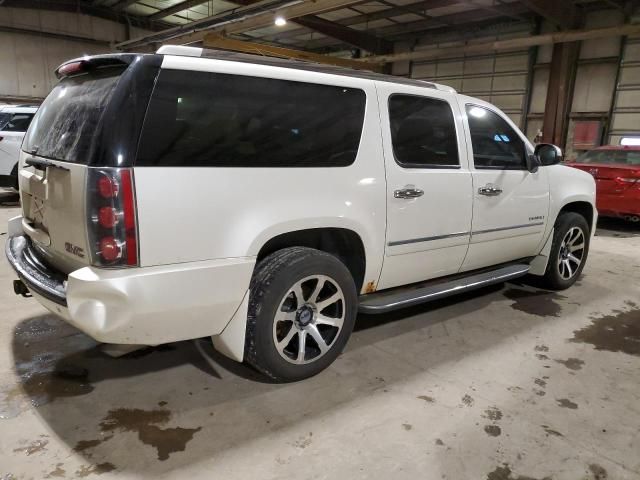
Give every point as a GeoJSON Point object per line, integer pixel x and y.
{"type": "Point", "coordinates": [509, 383]}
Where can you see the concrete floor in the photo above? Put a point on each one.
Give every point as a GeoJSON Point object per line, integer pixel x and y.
{"type": "Point", "coordinates": [510, 383]}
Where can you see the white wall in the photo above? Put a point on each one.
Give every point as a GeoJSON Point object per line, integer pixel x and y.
{"type": "Point", "coordinates": [27, 61]}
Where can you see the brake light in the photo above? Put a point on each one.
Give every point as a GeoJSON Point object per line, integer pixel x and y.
{"type": "Point", "coordinates": [113, 228]}
{"type": "Point", "coordinates": [69, 69]}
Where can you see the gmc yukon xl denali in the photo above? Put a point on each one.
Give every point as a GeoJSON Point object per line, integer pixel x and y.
{"type": "Point", "coordinates": [263, 202]}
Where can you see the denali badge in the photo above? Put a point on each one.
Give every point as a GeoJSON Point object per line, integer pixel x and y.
{"type": "Point", "coordinates": [539, 217]}
{"type": "Point", "coordinates": [77, 251]}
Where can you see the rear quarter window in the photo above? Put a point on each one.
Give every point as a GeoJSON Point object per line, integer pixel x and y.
{"type": "Point", "coordinates": [222, 120]}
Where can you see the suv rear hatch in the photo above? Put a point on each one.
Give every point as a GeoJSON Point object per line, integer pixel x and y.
{"type": "Point", "coordinates": [86, 130]}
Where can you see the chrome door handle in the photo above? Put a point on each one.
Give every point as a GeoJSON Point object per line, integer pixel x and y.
{"type": "Point", "coordinates": [408, 192]}
{"type": "Point", "coordinates": [490, 190]}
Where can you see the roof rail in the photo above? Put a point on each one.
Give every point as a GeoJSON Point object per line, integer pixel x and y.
{"type": "Point", "coordinates": [184, 51]}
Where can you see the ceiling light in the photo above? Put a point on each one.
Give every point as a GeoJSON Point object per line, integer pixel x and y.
{"type": "Point", "coordinates": [280, 21]}
{"type": "Point", "coordinates": [630, 141]}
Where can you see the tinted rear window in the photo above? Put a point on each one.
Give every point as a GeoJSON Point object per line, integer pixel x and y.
{"type": "Point", "coordinates": [214, 119]}
{"type": "Point", "coordinates": [66, 124]}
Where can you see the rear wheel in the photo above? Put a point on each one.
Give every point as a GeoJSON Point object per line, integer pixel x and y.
{"type": "Point", "coordinates": [568, 253]}
{"type": "Point", "coordinates": [302, 307]}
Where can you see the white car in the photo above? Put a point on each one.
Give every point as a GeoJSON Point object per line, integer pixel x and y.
{"type": "Point", "coordinates": [14, 121]}
{"type": "Point", "coordinates": [264, 202]}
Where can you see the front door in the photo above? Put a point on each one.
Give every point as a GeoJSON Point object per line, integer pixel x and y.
{"type": "Point", "coordinates": [429, 194]}
{"type": "Point", "coordinates": [510, 204]}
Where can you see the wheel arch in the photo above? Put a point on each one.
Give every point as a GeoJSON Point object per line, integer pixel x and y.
{"type": "Point", "coordinates": [581, 207]}
{"type": "Point", "coordinates": [344, 243]}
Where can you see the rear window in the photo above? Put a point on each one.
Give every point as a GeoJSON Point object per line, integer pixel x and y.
{"type": "Point", "coordinates": [613, 157]}
{"type": "Point", "coordinates": [17, 122]}
{"type": "Point", "coordinates": [66, 124]}
{"type": "Point", "coordinates": [214, 119]}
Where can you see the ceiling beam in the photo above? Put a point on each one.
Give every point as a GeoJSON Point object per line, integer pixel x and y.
{"type": "Point", "coordinates": [177, 8]}
{"type": "Point", "coordinates": [372, 17]}
{"type": "Point", "coordinates": [73, 6]}
{"type": "Point", "coordinates": [186, 5]}
{"type": "Point", "coordinates": [237, 21]}
{"type": "Point", "coordinates": [122, 4]}
{"type": "Point", "coordinates": [510, 44]}
{"type": "Point", "coordinates": [347, 35]}
{"type": "Point", "coordinates": [213, 40]}
{"type": "Point", "coordinates": [559, 12]}
{"type": "Point", "coordinates": [445, 23]}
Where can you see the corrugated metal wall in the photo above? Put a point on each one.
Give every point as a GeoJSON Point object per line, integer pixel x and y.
{"type": "Point", "coordinates": [500, 78]}
{"type": "Point", "coordinates": [27, 61]}
{"type": "Point", "coordinates": [625, 119]}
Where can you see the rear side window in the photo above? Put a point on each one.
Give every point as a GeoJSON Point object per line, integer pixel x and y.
{"type": "Point", "coordinates": [66, 124]}
{"type": "Point", "coordinates": [423, 132]}
{"type": "Point", "coordinates": [19, 122]}
{"type": "Point", "coordinates": [495, 144]}
{"type": "Point", "coordinates": [214, 119]}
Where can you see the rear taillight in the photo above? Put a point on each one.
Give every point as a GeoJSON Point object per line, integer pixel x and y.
{"type": "Point", "coordinates": [113, 231]}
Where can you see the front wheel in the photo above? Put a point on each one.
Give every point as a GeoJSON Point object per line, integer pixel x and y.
{"type": "Point", "coordinates": [302, 307]}
{"type": "Point", "coordinates": [569, 250]}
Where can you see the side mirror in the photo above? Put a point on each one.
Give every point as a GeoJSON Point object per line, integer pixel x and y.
{"type": "Point", "coordinates": [548, 154]}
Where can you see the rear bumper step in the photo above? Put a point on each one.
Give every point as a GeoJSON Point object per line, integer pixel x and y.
{"type": "Point", "coordinates": [403, 297]}
{"type": "Point", "coordinates": [33, 273]}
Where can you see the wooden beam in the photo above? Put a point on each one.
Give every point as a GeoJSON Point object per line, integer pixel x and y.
{"type": "Point", "coordinates": [510, 44]}
{"type": "Point", "coordinates": [559, 12]}
{"type": "Point", "coordinates": [212, 40]}
{"type": "Point", "coordinates": [353, 37]}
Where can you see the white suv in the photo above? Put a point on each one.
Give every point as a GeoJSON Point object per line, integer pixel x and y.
{"type": "Point", "coordinates": [14, 121]}
{"type": "Point", "coordinates": [265, 202]}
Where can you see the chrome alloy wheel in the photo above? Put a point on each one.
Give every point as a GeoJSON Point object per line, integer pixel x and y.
{"type": "Point", "coordinates": [571, 253]}
{"type": "Point", "coordinates": [309, 319]}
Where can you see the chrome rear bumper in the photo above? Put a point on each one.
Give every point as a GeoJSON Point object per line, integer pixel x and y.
{"type": "Point", "coordinates": [37, 276]}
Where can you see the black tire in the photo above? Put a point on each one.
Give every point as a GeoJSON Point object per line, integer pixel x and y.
{"type": "Point", "coordinates": [273, 278]}
{"type": "Point", "coordinates": [553, 278]}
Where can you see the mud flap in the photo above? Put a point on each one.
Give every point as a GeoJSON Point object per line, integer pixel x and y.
{"type": "Point", "coordinates": [14, 227]}
{"type": "Point", "coordinates": [539, 264]}
{"type": "Point", "coordinates": [230, 342]}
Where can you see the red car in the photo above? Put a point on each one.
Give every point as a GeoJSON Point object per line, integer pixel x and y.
{"type": "Point", "coordinates": [617, 174]}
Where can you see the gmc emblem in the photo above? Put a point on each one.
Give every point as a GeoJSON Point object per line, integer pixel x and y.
{"type": "Point", "coordinates": [72, 249]}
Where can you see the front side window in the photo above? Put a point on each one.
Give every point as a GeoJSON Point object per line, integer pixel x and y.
{"type": "Point", "coordinates": [614, 157]}
{"type": "Point", "coordinates": [423, 132]}
{"type": "Point", "coordinates": [495, 144]}
{"type": "Point", "coordinates": [222, 120]}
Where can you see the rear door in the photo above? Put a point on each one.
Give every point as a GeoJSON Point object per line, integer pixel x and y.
{"type": "Point", "coordinates": [12, 130]}
{"type": "Point", "coordinates": [510, 204]}
{"type": "Point", "coordinates": [429, 195]}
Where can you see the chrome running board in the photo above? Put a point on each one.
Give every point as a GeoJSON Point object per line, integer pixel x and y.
{"type": "Point", "coordinates": [403, 297]}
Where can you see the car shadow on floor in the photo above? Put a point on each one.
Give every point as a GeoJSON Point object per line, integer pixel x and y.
{"type": "Point", "coordinates": [168, 394]}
